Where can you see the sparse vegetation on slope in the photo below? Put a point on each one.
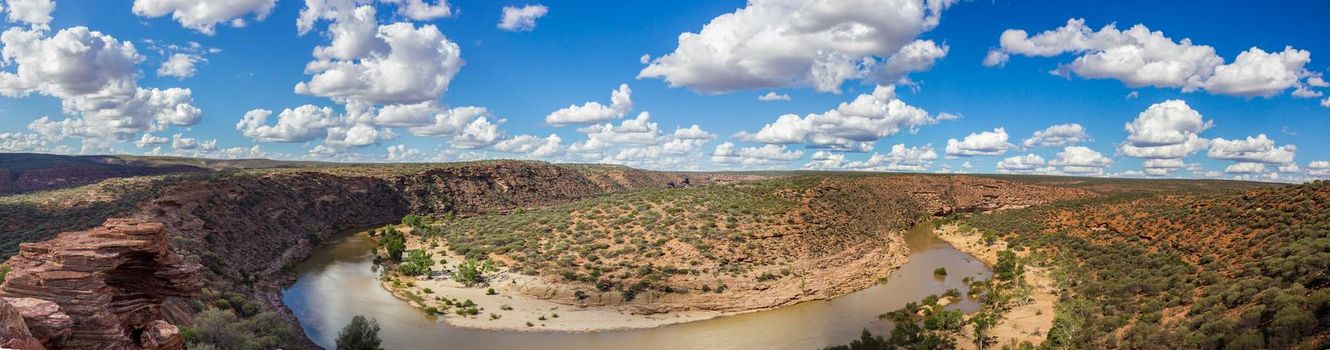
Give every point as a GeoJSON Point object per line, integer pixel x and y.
{"type": "Point", "coordinates": [662, 241]}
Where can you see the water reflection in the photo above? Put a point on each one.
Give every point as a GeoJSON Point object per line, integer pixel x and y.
{"type": "Point", "coordinates": [338, 282]}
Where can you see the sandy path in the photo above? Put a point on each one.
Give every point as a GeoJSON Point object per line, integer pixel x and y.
{"type": "Point", "coordinates": [1027, 322]}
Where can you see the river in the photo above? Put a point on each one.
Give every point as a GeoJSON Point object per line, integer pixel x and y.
{"type": "Point", "coordinates": [339, 281]}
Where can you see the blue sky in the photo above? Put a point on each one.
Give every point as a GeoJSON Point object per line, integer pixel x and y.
{"type": "Point", "coordinates": [1196, 105]}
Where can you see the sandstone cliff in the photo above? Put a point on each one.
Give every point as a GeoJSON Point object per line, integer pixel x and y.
{"type": "Point", "coordinates": [100, 289]}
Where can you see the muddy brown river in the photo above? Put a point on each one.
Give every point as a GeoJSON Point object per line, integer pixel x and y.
{"type": "Point", "coordinates": [339, 281]}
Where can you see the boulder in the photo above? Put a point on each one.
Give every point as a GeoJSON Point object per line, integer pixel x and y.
{"type": "Point", "coordinates": [14, 332]}
{"type": "Point", "coordinates": [44, 319]}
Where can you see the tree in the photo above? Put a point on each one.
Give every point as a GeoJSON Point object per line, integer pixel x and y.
{"type": "Point", "coordinates": [360, 334]}
{"type": "Point", "coordinates": [394, 242]}
{"type": "Point", "coordinates": [417, 263]}
{"type": "Point", "coordinates": [472, 272]}
{"type": "Point", "coordinates": [1009, 267]}
{"type": "Point", "coordinates": [983, 321]}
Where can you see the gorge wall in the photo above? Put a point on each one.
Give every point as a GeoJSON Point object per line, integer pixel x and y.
{"type": "Point", "coordinates": [244, 228]}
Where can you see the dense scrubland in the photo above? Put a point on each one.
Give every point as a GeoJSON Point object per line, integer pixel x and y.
{"type": "Point", "coordinates": [1183, 269]}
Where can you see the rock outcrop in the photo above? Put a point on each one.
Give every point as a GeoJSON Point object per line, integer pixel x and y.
{"type": "Point", "coordinates": [100, 289]}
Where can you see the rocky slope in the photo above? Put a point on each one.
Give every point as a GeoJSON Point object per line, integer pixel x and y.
{"type": "Point", "coordinates": [29, 172]}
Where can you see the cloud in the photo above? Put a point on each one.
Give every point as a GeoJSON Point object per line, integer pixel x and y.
{"type": "Point", "coordinates": [773, 96]}
{"type": "Point", "coordinates": [179, 143]}
{"type": "Point", "coordinates": [521, 19]}
{"type": "Point", "coordinates": [410, 115]}
{"type": "Point", "coordinates": [1319, 168]}
{"type": "Point", "coordinates": [345, 134]}
{"type": "Point", "coordinates": [1081, 161]}
{"type": "Point", "coordinates": [693, 132]}
{"type": "Point", "coordinates": [204, 15]}
{"type": "Point", "coordinates": [354, 35]}
{"type": "Point", "coordinates": [917, 56]}
{"type": "Point", "coordinates": [791, 43]}
{"type": "Point", "coordinates": [95, 77]}
{"type": "Point", "coordinates": [1259, 149]}
{"type": "Point", "coordinates": [621, 102]}
{"type": "Point", "coordinates": [384, 76]}
{"type": "Point", "coordinates": [444, 123]}
{"type": "Point", "coordinates": [532, 146]}
{"type": "Point", "coordinates": [418, 66]}
{"type": "Point", "coordinates": [1057, 136]}
{"type": "Point", "coordinates": [1245, 168]}
{"type": "Point", "coordinates": [478, 134]}
{"type": "Point", "coordinates": [728, 153]}
{"type": "Point", "coordinates": [636, 131]}
{"type": "Point", "coordinates": [996, 58]}
{"type": "Point", "coordinates": [1140, 57]}
{"type": "Point", "coordinates": [179, 65]}
{"type": "Point", "coordinates": [400, 153]}
{"type": "Point", "coordinates": [1325, 102]}
{"type": "Point", "coordinates": [304, 123]}
{"type": "Point", "coordinates": [36, 13]}
{"type": "Point", "coordinates": [987, 143]}
{"type": "Point", "coordinates": [22, 142]}
{"type": "Point", "coordinates": [336, 10]}
{"type": "Point", "coordinates": [852, 125]}
{"type": "Point", "coordinates": [1166, 130]}
{"type": "Point", "coordinates": [899, 158]}
{"type": "Point", "coordinates": [421, 10]}
{"type": "Point", "coordinates": [1021, 164]}
{"type": "Point", "coordinates": [149, 139]}
{"type": "Point", "coordinates": [1162, 166]}
{"type": "Point", "coordinates": [1258, 73]}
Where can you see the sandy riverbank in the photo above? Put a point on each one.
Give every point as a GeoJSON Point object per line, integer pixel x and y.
{"type": "Point", "coordinates": [1026, 322]}
{"type": "Point", "coordinates": [533, 303]}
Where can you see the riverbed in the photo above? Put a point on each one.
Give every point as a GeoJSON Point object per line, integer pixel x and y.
{"type": "Point", "coordinates": [339, 281]}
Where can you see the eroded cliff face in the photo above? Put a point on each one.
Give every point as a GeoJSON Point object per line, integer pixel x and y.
{"type": "Point", "coordinates": [100, 289]}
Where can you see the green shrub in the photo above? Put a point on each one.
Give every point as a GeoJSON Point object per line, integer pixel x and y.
{"type": "Point", "coordinates": [360, 334]}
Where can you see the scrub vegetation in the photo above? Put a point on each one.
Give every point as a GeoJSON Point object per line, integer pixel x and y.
{"type": "Point", "coordinates": [1186, 269]}
{"type": "Point", "coordinates": [677, 240]}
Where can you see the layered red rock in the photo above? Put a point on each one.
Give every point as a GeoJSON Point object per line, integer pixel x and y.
{"type": "Point", "coordinates": [14, 333]}
{"type": "Point", "coordinates": [110, 281]}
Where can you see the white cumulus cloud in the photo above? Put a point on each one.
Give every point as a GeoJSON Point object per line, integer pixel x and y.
{"type": "Point", "coordinates": [728, 153]}
{"type": "Point", "coordinates": [418, 66]}
{"type": "Point", "coordinates": [1081, 160]}
{"type": "Point", "coordinates": [793, 43]}
{"type": "Point", "coordinates": [1139, 57]}
{"type": "Point", "coordinates": [1259, 149]}
{"type": "Point", "coordinates": [96, 78]}
{"type": "Point", "coordinates": [204, 15]}
{"type": "Point", "coordinates": [179, 65]}
{"type": "Point", "coordinates": [853, 125]}
{"type": "Point", "coordinates": [1022, 164]}
{"type": "Point", "coordinates": [520, 19]}
{"type": "Point", "coordinates": [773, 96]}
{"type": "Point", "coordinates": [621, 102]}
{"type": "Point", "coordinates": [1166, 130]}
{"type": "Point", "coordinates": [987, 143]}
{"type": "Point", "coordinates": [36, 13]}
{"type": "Point", "coordinates": [1057, 136]}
